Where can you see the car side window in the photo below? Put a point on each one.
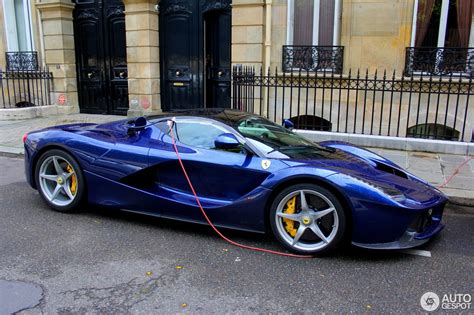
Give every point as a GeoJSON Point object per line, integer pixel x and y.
{"type": "Point", "coordinates": [199, 133]}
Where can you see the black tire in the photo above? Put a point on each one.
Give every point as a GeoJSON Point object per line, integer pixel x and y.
{"type": "Point", "coordinates": [307, 223]}
{"type": "Point", "coordinates": [80, 186]}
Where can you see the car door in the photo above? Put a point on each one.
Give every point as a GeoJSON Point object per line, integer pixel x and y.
{"type": "Point", "coordinates": [220, 178]}
{"type": "Point", "coordinates": [115, 165]}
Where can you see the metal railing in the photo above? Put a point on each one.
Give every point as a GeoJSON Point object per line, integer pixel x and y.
{"type": "Point", "coordinates": [25, 88]}
{"type": "Point", "coordinates": [22, 61]}
{"type": "Point", "coordinates": [439, 61]}
{"type": "Point", "coordinates": [313, 58]}
{"type": "Point", "coordinates": [362, 103]}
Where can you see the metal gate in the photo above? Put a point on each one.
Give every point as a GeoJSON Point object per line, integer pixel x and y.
{"type": "Point", "coordinates": [195, 39]}
{"type": "Point", "coordinates": [99, 35]}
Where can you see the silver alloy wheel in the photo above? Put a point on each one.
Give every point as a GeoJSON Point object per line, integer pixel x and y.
{"type": "Point", "coordinates": [56, 181]}
{"type": "Point", "coordinates": [308, 218]}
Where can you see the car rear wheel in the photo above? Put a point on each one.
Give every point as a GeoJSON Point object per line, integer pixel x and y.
{"type": "Point", "coordinates": [60, 180]}
{"type": "Point", "coordinates": [307, 219]}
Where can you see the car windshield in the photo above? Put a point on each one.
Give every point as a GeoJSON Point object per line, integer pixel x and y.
{"type": "Point", "coordinates": [278, 142]}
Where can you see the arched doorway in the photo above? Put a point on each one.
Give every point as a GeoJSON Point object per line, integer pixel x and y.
{"type": "Point", "coordinates": [195, 41]}
{"type": "Point", "coordinates": [101, 56]}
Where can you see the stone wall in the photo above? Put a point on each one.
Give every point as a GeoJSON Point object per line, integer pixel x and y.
{"type": "Point", "coordinates": [248, 26]}
{"type": "Point", "coordinates": [376, 33]}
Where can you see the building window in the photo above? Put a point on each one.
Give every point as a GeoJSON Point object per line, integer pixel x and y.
{"type": "Point", "coordinates": [20, 53]}
{"type": "Point", "coordinates": [313, 22]}
{"type": "Point", "coordinates": [433, 131]}
{"type": "Point", "coordinates": [313, 36]}
{"type": "Point", "coordinates": [441, 37]}
{"type": "Point", "coordinates": [310, 122]}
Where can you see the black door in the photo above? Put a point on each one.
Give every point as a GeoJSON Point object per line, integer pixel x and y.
{"type": "Point", "coordinates": [217, 28]}
{"type": "Point", "coordinates": [195, 53]}
{"type": "Point", "coordinates": [99, 35]}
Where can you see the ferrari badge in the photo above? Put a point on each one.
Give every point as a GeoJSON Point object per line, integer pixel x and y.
{"type": "Point", "coordinates": [266, 164]}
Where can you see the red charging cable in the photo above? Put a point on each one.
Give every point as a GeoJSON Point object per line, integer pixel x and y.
{"type": "Point", "coordinates": [170, 124]}
{"type": "Point", "coordinates": [456, 171]}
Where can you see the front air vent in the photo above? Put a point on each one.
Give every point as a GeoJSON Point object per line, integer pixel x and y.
{"type": "Point", "coordinates": [391, 170]}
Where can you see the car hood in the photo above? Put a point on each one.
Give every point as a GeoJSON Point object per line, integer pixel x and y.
{"type": "Point", "coordinates": [372, 169]}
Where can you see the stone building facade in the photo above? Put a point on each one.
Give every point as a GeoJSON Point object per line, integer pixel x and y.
{"type": "Point", "coordinates": [144, 78]}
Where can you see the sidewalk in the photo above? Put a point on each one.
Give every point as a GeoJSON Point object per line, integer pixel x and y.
{"type": "Point", "coordinates": [435, 168]}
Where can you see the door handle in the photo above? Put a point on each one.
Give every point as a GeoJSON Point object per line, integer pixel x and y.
{"type": "Point", "coordinates": [220, 73]}
{"type": "Point", "coordinates": [90, 75]}
{"type": "Point", "coordinates": [123, 75]}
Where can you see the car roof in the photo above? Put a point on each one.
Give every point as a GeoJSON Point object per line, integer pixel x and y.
{"type": "Point", "coordinates": [225, 115]}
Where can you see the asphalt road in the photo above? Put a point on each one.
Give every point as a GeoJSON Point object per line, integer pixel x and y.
{"type": "Point", "coordinates": [100, 261]}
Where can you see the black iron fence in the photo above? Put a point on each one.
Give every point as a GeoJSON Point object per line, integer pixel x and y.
{"type": "Point", "coordinates": [313, 58]}
{"type": "Point", "coordinates": [383, 104]}
{"type": "Point", "coordinates": [25, 88]}
{"type": "Point", "coordinates": [439, 61]}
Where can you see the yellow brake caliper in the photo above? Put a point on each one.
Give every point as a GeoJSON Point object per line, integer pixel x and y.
{"type": "Point", "coordinates": [290, 224]}
{"type": "Point", "coordinates": [73, 180]}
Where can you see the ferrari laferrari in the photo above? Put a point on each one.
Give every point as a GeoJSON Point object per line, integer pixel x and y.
{"type": "Point", "coordinates": [248, 173]}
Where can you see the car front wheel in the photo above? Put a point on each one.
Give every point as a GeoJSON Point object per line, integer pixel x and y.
{"type": "Point", "coordinates": [60, 180]}
{"type": "Point", "coordinates": [308, 219]}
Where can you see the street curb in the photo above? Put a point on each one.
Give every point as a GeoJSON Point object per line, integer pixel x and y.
{"type": "Point", "coordinates": [11, 151]}
{"type": "Point", "coordinates": [458, 209]}
{"type": "Point", "coordinates": [12, 155]}
{"type": "Point", "coordinates": [462, 201]}
{"type": "Point", "coordinates": [465, 202]}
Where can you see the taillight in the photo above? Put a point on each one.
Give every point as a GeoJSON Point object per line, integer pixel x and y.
{"type": "Point", "coordinates": [24, 137]}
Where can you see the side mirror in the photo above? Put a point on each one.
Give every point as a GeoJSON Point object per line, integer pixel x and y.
{"type": "Point", "coordinates": [288, 124]}
{"type": "Point", "coordinates": [136, 125]}
{"type": "Point", "coordinates": [226, 141]}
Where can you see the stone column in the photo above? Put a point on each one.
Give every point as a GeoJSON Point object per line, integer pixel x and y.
{"type": "Point", "coordinates": [143, 59]}
{"type": "Point", "coordinates": [59, 54]}
{"type": "Point", "coordinates": [248, 37]}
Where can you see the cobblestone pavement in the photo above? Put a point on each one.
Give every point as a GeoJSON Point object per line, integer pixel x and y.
{"type": "Point", "coordinates": [435, 168]}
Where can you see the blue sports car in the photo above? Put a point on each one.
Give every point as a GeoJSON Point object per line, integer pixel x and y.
{"type": "Point", "coordinates": [249, 173]}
